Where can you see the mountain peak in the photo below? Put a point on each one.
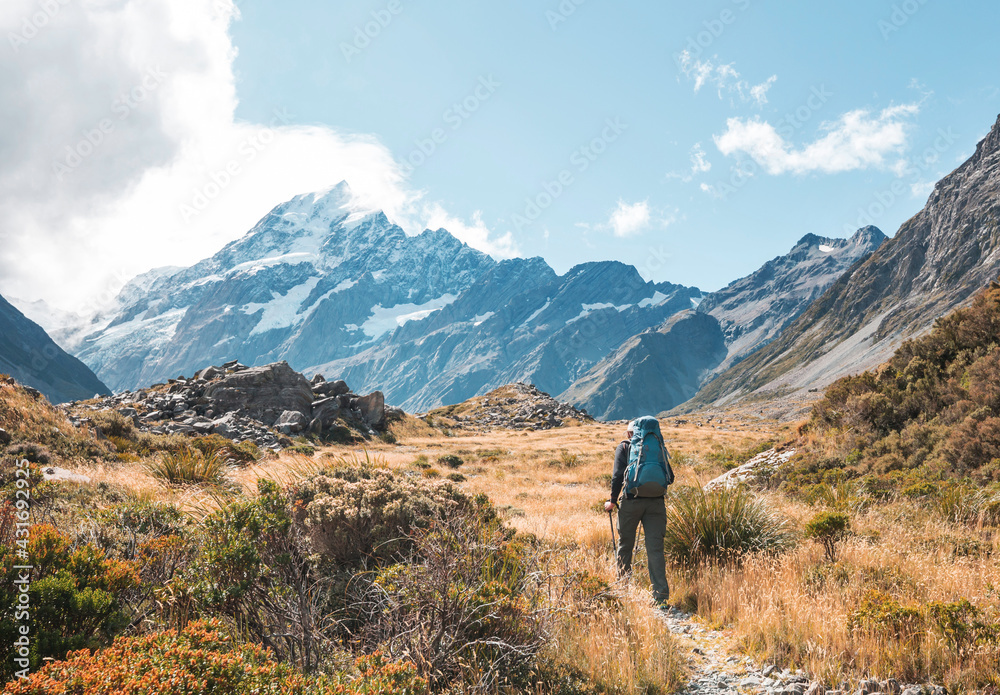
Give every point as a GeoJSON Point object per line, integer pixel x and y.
{"type": "Point", "coordinates": [869, 236]}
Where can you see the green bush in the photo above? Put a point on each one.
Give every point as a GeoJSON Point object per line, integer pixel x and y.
{"type": "Point", "coordinates": [880, 614]}
{"type": "Point", "coordinates": [722, 525]}
{"type": "Point", "coordinates": [828, 529]}
{"type": "Point", "coordinates": [451, 460]}
{"type": "Point", "coordinates": [77, 597]}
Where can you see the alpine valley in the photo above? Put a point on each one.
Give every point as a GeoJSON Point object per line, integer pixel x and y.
{"type": "Point", "coordinates": [333, 288]}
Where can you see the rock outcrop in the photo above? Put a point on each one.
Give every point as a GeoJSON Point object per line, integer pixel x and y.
{"type": "Point", "coordinates": [515, 406]}
{"type": "Point", "coordinates": [260, 404]}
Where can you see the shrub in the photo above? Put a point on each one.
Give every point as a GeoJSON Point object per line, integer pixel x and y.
{"type": "Point", "coordinates": [451, 460]}
{"type": "Point", "coordinates": [722, 525]}
{"type": "Point", "coordinates": [353, 513]}
{"type": "Point", "coordinates": [78, 597]}
{"type": "Point", "coordinates": [456, 477]}
{"type": "Point", "coordinates": [962, 624]}
{"type": "Point", "coordinates": [253, 565]}
{"type": "Point", "coordinates": [113, 424]}
{"type": "Point", "coordinates": [31, 452]}
{"type": "Point", "coordinates": [463, 608]}
{"type": "Point", "coordinates": [882, 615]}
{"type": "Point", "coordinates": [202, 659]}
{"type": "Point", "coordinates": [827, 529]}
{"type": "Point", "coordinates": [190, 466]}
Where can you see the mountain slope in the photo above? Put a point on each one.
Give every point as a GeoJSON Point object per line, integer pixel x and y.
{"type": "Point", "coordinates": [29, 355]}
{"type": "Point", "coordinates": [756, 308]}
{"type": "Point", "coordinates": [660, 370]}
{"type": "Point", "coordinates": [652, 371]}
{"type": "Point", "coordinates": [938, 259]}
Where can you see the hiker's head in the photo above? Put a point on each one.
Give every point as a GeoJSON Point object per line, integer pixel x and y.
{"type": "Point", "coordinates": [630, 429]}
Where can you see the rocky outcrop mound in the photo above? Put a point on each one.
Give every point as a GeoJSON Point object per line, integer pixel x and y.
{"type": "Point", "coordinates": [760, 466]}
{"type": "Point", "coordinates": [260, 404]}
{"type": "Point", "coordinates": [514, 406]}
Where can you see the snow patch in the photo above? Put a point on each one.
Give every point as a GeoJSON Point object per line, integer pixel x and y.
{"type": "Point", "coordinates": [283, 310]}
{"type": "Point", "coordinates": [534, 316]}
{"type": "Point", "coordinates": [479, 318]}
{"type": "Point", "coordinates": [825, 249]}
{"type": "Point", "coordinates": [255, 266]}
{"type": "Point", "coordinates": [695, 301]}
{"type": "Point", "coordinates": [657, 299]}
{"type": "Point", "coordinates": [344, 285]}
{"type": "Point", "coordinates": [385, 319]}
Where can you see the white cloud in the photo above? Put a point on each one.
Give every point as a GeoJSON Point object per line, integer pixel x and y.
{"type": "Point", "coordinates": [476, 235]}
{"type": "Point", "coordinates": [725, 77]}
{"type": "Point", "coordinates": [124, 152]}
{"type": "Point", "coordinates": [627, 219]}
{"type": "Point", "coordinates": [858, 140]}
{"type": "Point", "coordinates": [699, 165]}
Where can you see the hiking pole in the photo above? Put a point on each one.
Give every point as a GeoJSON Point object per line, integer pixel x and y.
{"type": "Point", "coordinates": [614, 542]}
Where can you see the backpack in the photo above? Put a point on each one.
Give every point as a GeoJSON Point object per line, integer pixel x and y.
{"type": "Point", "coordinates": [649, 472]}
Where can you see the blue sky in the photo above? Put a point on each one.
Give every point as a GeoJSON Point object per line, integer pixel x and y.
{"type": "Point", "coordinates": [563, 70]}
{"type": "Point", "coordinates": [693, 140]}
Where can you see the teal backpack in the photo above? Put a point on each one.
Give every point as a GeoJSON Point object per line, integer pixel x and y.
{"type": "Point", "coordinates": [649, 472]}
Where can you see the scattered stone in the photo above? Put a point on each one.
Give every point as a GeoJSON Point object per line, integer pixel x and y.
{"type": "Point", "coordinates": [5, 438]}
{"type": "Point", "coordinates": [57, 474]}
{"type": "Point", "coordinates": [891, 687]}
{"type": "Point", "coordinates": [815, 688]}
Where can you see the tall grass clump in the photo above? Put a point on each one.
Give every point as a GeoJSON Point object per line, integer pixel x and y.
{"type": "Point", "coordinates": [190, 467]}
{"type": "Point", "coordinates": [720, 525]}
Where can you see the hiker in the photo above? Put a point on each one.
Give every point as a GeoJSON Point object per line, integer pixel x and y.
{"type": "Point", "coordinates": [641, 475]}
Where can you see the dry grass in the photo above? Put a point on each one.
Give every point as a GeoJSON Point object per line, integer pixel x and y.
{"type": "Point", "coordinates": [796, 609]}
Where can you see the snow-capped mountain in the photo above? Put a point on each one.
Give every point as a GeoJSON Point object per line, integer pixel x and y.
{"type": "Point", "coordinates": [336, 289]}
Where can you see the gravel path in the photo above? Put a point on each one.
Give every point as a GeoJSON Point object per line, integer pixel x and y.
{"type": "Point", "coordinates": [716, 671]}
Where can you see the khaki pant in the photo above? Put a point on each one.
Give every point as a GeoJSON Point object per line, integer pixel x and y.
{"type": "Point", "coordinates": [651, 512]}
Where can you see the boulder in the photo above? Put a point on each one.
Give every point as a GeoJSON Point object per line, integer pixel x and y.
{"type": "Point", "coordinates": [372, 409]}
{"type": "Point", "coordinates": [291, 421]}
{"type": "Point", "coordinates": [330, 388]}
{"type": "Point", "coordinates": [317, 379]}
{"type": "Point", "coordinates": [4, 437]}
{"type": "Point", "coordinates": [263, 393]}
{"type": "Point", "coordinates": [325, 412]}
{"type": "Point", "coordinates": [208, 373]}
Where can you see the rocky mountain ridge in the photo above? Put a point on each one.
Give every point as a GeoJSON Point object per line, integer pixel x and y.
{"type": "Point", "coordinates": [29, 355]}
{"type": "Point", "coordinates": [660, 369]}
{"type": "Point", "coordinates": [936, 262]}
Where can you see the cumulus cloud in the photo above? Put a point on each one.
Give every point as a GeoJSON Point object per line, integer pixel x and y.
{"type": "Point", "coordinates": [857, 140]}
{"type": "Point", "coordinates": [627, 219]}
{"type": "Point", "coordinates": [724, 77]}
{"type": "Point", "coordinates": [122, 151]}
{"type": "Point", "coordinates": [476, 234]}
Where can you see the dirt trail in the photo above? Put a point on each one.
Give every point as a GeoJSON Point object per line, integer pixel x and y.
{"type": "Point", "coordinates": [715, 670]}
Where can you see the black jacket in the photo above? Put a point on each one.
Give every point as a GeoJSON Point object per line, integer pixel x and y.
{"type": "Point", "coordinates": [618, 475]}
